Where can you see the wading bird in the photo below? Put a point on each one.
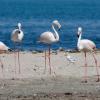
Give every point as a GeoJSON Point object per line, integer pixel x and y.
{"type": "Point", "coordinates": [86, 45]}
{"type": "Point", "coordinates": [50, 38]}
{"type": "Point", "coordinates": [16, 37]}
{"type": "Point", "coordinates": [3, 48]}
{"type": "Point", "coordinates": [70, 59]}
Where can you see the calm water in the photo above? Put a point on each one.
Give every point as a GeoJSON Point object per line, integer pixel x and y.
{"type": "Point", "coordinates": [36, 17]}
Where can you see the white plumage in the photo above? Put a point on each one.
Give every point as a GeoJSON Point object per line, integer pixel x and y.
{"type": "Point", "coordinates": [71, 59]}
{"type": "Point", "coordinates": [86, 45]}
{"type": "Point", "coordinates": [3, 47]}
{"type": "Point", "coordinates": [17, 36]}
{"type": "Point", "coordinates": [49, 38]}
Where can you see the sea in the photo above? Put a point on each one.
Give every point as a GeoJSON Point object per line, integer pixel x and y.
{"type": "Point", "coordinates": [36, 17]}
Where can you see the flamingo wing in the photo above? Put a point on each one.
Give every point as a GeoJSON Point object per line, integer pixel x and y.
{"type": "Point", "coordinates": [3, 46]}
{"type": "Point", "coordinates": [47, 37]}
{"type": "Point", "coordinates": [17, 35]}
{"type": "Point", "coordinates": [87, 45]}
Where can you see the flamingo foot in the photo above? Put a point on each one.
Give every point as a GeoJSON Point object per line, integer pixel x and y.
{"type": "Point", "coordinates": [85, 81]}
{"type": "Point", "coordinates": [98, 80]}
{"type": "Point", "coordinates": [2, 67]}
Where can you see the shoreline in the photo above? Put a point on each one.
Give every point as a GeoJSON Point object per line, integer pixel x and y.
{"type": "Point", "coordinates": [33, 83]}
{"type": "Point", "coordinates": [34, 61]}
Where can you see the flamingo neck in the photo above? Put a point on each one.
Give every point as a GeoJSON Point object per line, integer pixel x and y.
{"type": "Point", "coordinates": [79, 39]}
{"type": "Point", "coordinates": [56, 35]}
{"type": "Point", "coordinates": [19, 27]}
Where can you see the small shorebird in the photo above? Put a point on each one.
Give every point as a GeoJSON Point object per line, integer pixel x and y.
{"type": "Point", "coordinates": [70, 59]}
{"type": "Point", "coordinates": [17, 36]}
{"type": "Point", "coordinates": [3, 48]}
{"type": "Point", "coordinates": [49, 38]}
{"type": "Point", "coordinates": [86, 45]}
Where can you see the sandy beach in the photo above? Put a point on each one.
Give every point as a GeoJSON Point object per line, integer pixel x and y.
{"type": "Point", "coordinates": [65, 82]}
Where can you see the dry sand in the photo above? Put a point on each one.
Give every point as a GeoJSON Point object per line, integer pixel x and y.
{"type": "Point", "coordinates": [33, 84]}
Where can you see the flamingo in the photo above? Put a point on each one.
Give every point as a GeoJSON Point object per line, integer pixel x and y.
{"type": "Point", "coordinates": [17, 36]}
{"type": "Point", "coordinates": [86, 45]}
{"type": "Point", "coordinates": [50, 38]}
{"type": "Point", "coordinates": [3, 48]}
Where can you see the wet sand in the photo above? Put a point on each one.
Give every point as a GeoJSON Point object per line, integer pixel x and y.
{"type": "Point", "coordinates": [65, 82]}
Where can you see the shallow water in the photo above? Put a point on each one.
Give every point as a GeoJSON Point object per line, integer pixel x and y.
{"type": "Point", "coordinates": [37, 16]}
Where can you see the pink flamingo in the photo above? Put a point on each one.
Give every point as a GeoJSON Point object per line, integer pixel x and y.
{"type": "Point", "coordinates": [17, 36]}
{"type": "Point", "coordinates": [86, 45]}
{"type": "Point", "coordinates": [3, 48]}
{"type": "Point", "coordinates": [49, 38]}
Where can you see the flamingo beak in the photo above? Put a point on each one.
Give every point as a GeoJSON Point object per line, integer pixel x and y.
{"type": "Point", "coordinates": [59, 29]}
{"type": "Point", "coordinates": [10, 50]}
{"type": "Point", "coordinates": [78, 35]}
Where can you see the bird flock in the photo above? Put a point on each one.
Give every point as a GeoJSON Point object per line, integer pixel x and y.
{"type": "Point", "coordinates": [49, 38]}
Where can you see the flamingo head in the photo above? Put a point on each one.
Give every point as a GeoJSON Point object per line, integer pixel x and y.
{"type": "Point", "coordinates": [57, 24]}
{"type": "Point", "coordinates": [19, 25]}
{"type": "Point", "coordinates": [79, 31]}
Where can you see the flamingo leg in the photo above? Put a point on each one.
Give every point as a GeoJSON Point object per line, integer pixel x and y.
{"type": "Point", "coordinates": [2, 66]}
{"type": "Point", "coordinates": [85, 68]}
{"type": "Point", "coordinates": [45, 62]}
{"type": "Point", "coordinates": [49, 60]}
{"type": "Point", "coordinates": [15, 55]}
{"type": "Point", "coordinates": [19, 61]}
{"type": "Point", "coordinates": [96, 67]}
